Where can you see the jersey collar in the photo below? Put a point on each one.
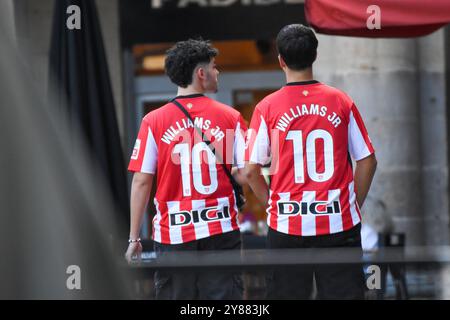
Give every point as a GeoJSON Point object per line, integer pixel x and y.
{"type": "Point", "coordinates": [195, 95]}
{"type": "Point", "coordinates": [302, 83]}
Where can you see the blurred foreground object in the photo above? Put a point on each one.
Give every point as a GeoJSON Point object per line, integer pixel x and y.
{"type": "Point", "coordinates": [56, 214]}
{"type": "Point", "coordinates": [81, 86]}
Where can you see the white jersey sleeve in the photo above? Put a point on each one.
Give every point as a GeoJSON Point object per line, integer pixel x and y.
{"type": "Point", "coordinates": [359, 143]}
{"type": "Point", "coordinates": [239, 144]}
{"type": "Point", "coordinates": [258, 144]}
{"type": "Point", "coordinates": [145, 152]}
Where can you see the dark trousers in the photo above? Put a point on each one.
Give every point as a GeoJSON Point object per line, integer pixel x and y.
{"type": "Point", "coordinates": [204, 285]}
{"type": "Point", "coordinates": [333, 281]}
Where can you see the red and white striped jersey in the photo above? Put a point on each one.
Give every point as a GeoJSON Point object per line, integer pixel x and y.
{"type": "Point", "coordinates": [307, 131]}
{"type": "Point", "coordinates": [194, 197]}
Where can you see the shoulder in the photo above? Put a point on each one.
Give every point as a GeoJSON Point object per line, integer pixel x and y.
{"type": "Point", "coordinates": [272, 99]}
{"type": "Point", "coordinates": [338, 94]}
{"type": "Point", "coordinates": [159, 113]}
{"type": "Point", "coordinates": [226, 112]}
{"type": "Point", "coordinates": [224, 108]}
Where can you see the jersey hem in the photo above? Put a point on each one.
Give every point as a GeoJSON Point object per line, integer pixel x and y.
{"type": "Point", "coordinates": [212, 234]}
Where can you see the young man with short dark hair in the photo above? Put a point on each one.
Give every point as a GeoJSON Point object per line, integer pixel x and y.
{"type": "Point", "coordinates": [309, 132]}
{"type": "Point", "coordinates": [195, 203]}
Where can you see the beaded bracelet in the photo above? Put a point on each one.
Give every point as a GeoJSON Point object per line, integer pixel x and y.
{"type": "Point", "coordinates": [134, 240]}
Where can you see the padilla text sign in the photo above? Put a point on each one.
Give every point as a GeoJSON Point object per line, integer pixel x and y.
{"type": "Point", "coordinates": [157, 4]}
{"type": "Point", "coordinates": [151, 21]}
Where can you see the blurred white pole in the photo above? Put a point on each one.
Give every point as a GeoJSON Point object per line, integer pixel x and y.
{"type": "Point", "coordinates": [7, 11]}
{"type": "Point", "coordinates": [56, 216]}
{"type": "Point", "coordinates": [445, 282]}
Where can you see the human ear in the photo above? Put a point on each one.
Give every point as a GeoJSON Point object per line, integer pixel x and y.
{"type": "Point", "coordinates": [281, 62]}
{"type": "Point", "coordinates": [201, 73]}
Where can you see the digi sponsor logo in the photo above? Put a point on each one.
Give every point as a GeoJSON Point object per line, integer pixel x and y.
{"type": "Point", "coordinates": [183, 218]}
{"type": "Point", "coordinates": [137, 147]}
{"type": "Point", "coordinates": [304, 208]}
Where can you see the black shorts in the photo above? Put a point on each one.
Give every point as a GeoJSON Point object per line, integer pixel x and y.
{"type": "Point", "coordinates": [205, 285]}
{"type": "Point", "coordinates": [337, 281]}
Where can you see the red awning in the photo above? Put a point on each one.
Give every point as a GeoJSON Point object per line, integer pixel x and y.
{"type": "Point", "coordinates": [398, 18]}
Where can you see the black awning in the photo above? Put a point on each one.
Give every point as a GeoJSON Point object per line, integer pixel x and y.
{"type": "Point", "coordinates": [79, 71]}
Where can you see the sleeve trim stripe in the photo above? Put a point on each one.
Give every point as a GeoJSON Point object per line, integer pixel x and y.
{"type": "Point", "coordinates": [363, 130]}
{"type": "Point", "coordinates": [359, 145]}
{"type": "Point", "coordinates": [150, 154]}
{"type": "Point", "coordinates": [260, 152]}
{"type": "Point", "coordinates": [239, 147]}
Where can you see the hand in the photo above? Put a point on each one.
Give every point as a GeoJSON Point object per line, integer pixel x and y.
{"type": "Point", "coordinates": [134, 250]}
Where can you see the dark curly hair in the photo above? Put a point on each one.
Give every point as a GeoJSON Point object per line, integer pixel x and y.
{"type": "Point", "coordinates": [183, 58]}
{"type": "Point", "coordinates": [297, 45]}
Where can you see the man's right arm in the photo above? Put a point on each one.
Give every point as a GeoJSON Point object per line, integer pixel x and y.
{"type": "Point", "coordinates": [141, 188]}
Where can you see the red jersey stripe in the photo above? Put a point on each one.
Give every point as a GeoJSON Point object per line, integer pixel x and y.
{"type": "Point", "coordinates": [322, 222]}
{"type": "Point", "coordinates": [233, 212]}
{"type": "Point", "coordinates": [347, 222]}
{"type": "Point", "coordinates": [273, 223]}
{"type": "Point", "coordinates": [215, 227]}
{"type": "Point", "coordinates": [188, 231]}
{"type": "Point", "coordinates": [362, 128]}
{"type": "Point", "coordinates": [295, 225]}
{"type": "Point", "coordinates": [165, 234]}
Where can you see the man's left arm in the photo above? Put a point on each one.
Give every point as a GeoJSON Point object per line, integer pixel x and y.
{"type": "Point", "coordinates": [364, 172]}
{"type": "Point", "coordinates": [141, 188]}
{"type": "Point", "coordinates": [362, 150]}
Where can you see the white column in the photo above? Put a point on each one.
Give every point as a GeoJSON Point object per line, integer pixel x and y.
{"type": "Point", "coordinates": [7, 18]}
{"type": "Point", "coordinates": [381, 75]}
{"type": "Point", "coordinates": [434, 141]}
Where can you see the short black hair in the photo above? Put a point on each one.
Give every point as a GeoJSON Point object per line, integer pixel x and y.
{"type": "Point", "coordinates": [183, 58]}
{"type": "Point", "coordinates": [297, 45]}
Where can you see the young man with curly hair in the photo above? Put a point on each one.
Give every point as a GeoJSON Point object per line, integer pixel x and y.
{"type": "Point", "coordinates": [195, 203]}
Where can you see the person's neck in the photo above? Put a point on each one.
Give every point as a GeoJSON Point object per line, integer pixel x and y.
{"type": "Point", "coordinates": [189, 90]}
{"type": "Point", "coordinates": [299, 76]}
